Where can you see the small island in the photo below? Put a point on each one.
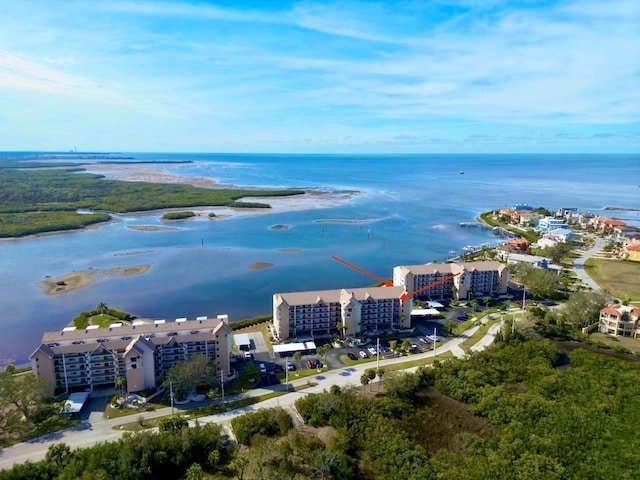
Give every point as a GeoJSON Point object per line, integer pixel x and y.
{"type": "Point", "coordinates": [178, 215]}
{"type": "Point", "coordinates": [280, 227]}
{"type": "Point", "coordinates": [260, 265]}
{"type": "Point", "coordinates": [83, 278]}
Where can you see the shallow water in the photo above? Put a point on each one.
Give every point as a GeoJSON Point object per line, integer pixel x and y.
{"type": "Point", "coordinates": [407, 211]}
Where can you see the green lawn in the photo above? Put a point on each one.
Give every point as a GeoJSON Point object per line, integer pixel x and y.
{"type": "Point", "coordinates": [618, 277]}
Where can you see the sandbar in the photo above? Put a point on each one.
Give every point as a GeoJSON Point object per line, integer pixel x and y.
{"type": "Point", "coordinates": [260, 265]}
{"type": "Point", "coordinates": [291, 250]}
{"type": "Point", "coordinates": [280, 227]}
{"type": "Point", "coordinates": [150, 228]}
{"type": "Point", "coordinates": [83, 278]}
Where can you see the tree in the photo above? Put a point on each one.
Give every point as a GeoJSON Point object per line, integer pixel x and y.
{"type": "Point", "coordinates": [59, 455]}
{"type": "Point", "coordinates": [297, 356]}
{"type": "Point", "coordinates": [487, 301]}
{"type": "Point", "coordinates": [172, 424]}
{"type": "Point", "coordinates": [238, 465]}
{"type": "Point", "coordinates": [121, 385]}
{"type": "Point", "coordinates": [364, 379]}
{"type": "Point", "coordinates": [474, 304]}
{"type": "Point", "coordinates": [393, 344]}
{"type": "Point", "coordinates": [538, 281]}
{"type": "Point", "coordinates": [198, 371]}
{"type": "Point", "coordinates": [583, 308]}
{"type": "Point", "coordinates": [102, 307]}
{"type": "Point", "coordinates": [449, 327]}
{"type": "Point", "coordinates": [194, 472]}
{"type": "Point", "coordinates": [25, 393]}
{"type": "Point", "coordinates": [324, 350]}
{"type": "Point", "coordinates": [406, 345]}
{"type": "Point", "coordinates": [557, 252]}
{"type": "Point", "coordinates": [214, 458]}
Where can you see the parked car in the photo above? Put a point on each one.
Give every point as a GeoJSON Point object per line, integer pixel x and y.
{"type": "Point", "coordinates": [352, 356]}
{"type": "Point", "coordinates": [462, 317]}
{"type": "Point", "coordinates": [318, 363]}
{"type": "Point", "coordinates": [309, 364]}
{"type": "Point", "coordinates": [263, 368]}
{"type": "Point", "coordinates": [422, 340]}
{"type": "Point", "coordinates": [372, 350]}
{"type": "Point", "coordinates": [290, 366]}
{"type": "Point", "coordinates": [363, 354]}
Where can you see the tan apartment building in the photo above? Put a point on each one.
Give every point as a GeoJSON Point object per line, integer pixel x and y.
{"type": "Point", "coordinates": [350, 312]}
{"type": "Point", "coordinates": [473, 279]}
{"type": "Point", "coordinates": [620, 320]}
{"type": "Point", "coordinates": [141, 353]}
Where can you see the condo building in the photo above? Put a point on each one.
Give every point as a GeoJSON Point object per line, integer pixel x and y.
{"type": "Point", "coordinates": [349, 312]}
{"type": "Point", "coordinates": [140, 353]}
{"type": "Point", "coordinates": [620, 320]}
{"type": "Point", "coordinates": [473, 279]}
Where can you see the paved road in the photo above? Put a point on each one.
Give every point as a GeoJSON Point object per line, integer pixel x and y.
{"type": "Point", "coordinates": [578, 264]}
{"type": "Point", "coordinates": [95, 428]}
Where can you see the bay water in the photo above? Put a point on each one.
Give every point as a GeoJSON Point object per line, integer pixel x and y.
{"type": "Point", "coordinates": [406, 209]}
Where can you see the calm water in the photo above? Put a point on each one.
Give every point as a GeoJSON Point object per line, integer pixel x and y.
{"type": "Point", "coordinates": [407, 211]}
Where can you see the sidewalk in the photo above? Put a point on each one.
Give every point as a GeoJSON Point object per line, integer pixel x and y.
{"type": "Point", "coordinates": [96, 430]}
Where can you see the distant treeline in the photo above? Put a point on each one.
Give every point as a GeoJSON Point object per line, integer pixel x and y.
{"type": "Point", "coordinates": [36, 201]}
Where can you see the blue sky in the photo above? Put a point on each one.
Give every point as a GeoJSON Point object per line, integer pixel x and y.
{"type": "Point", "coordinates": [336, 77]}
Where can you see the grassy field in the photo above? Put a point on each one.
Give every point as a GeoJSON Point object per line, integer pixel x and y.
{"type": "Point", "coordinates": [632, 344]}
{"type": "Point", "coordinates": [618, 277]}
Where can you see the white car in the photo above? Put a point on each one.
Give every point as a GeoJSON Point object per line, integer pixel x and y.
{"type": "Point", "coordinates": [372, 350]}
{"type": "Point", "coordinates": [363, 354]}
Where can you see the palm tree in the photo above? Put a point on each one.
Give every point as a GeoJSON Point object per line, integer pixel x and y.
{"type": "Point", "coordinates": [474, 304]}
{"type": "Point", "coordinates": [486, 301]}
{"type": "Point", "coordinates": [121, 384]}
{"type": "Point", "coordinates": [297, 356]}
{"type": "Point", "coordinates": [102, 307]}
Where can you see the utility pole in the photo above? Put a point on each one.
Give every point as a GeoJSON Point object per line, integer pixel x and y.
{"type": "Point", "coordinates": [171, 396]}
{"type": "Point", "coordinates": [378, 354]}
{"type": "Point", "coordinates": [434, 341]}
{"type": "Point", "coordinates": [286, 373]}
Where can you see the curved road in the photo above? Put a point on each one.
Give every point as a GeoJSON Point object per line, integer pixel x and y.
{"type": "Point", "coordinates": [578, 264]}
{"type": "Point", "coordinates": [99, 429]}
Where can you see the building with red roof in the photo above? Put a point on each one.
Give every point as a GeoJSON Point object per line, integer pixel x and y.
{"type": "Point", "coordinates": [620, 320]}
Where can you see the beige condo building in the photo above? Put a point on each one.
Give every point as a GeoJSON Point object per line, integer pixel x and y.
{"type": "Point", "coordinates": [141, 353]}
{"type": "Point", "coordinates": [350, 312]}
{"type": "Point", "coordinates": [473, 279]}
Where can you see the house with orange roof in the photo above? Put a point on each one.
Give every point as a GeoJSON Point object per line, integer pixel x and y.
{"type": "Point", "coordinates": [631, 252]}
{"type": "Point", "coordinates": [620, 320]}
{"type": "Point", "coordinates": [604, 223]}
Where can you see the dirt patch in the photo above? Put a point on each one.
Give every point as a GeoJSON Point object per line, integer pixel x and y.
{"type": "Point", "coordinates": [260, 265]}
{"type": "Point", "coordinates": [439, 422]}
{"type": "Point", "coordinates": [324, 434]}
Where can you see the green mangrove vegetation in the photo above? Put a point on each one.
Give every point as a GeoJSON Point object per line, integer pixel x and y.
{"type": "Point", "coordinates": [522, 409]}
{"type": "Point", "coordinates": [36, 201]}
{"type": "Point", "coordinates": [178, 215]}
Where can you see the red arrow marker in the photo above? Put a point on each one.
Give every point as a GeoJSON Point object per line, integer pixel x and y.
{"type": "Point", "coordinates": [387, 283]}
{"type": "Point", "coordinates": [404, 296]}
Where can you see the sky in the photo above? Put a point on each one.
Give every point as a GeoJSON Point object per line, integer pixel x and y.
{"type": "Point", "coordinates": [443, 76]}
